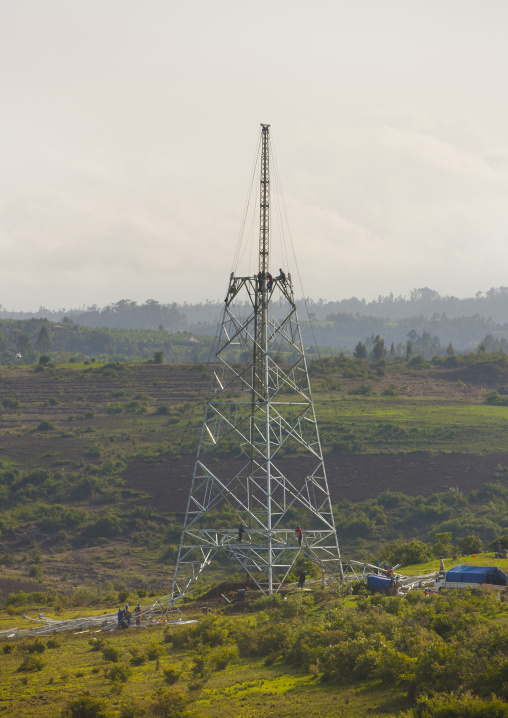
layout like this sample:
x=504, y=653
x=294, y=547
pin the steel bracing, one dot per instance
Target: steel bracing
x=259, y=410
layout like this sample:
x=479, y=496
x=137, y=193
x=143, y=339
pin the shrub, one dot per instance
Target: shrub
x=111, y=653
x=96, y=644
x=494, y=399
x=31, y=663
x=138, y=658
x=35, y=647
x=458, y=706
x=169, y=703
x=222, y=656
x=118, y=673
x=85, y=707
x=172, y=675
x=45, y=426
x=200, y=668
x=390, y=391
x=131, y=709
x=35, y=571
x=53, y=643
x=28, y=599
x=363, y=390
x=154, y=651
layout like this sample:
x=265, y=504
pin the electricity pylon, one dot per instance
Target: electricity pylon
x=259, y=406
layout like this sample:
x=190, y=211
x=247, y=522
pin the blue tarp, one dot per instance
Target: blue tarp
x=378, y=583
x=476, y=574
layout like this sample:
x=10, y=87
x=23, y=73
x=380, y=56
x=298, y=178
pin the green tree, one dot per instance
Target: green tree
x=450, y=350
x=23, y=344
x=379, y=349
x=44, y=342
x=409, y=349
x=443, y=544
x=158, y=357
x=360, y=351
x=470, y=544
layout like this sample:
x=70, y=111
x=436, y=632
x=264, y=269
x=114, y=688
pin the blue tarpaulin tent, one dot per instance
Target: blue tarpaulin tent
x=378, y=584
x=476, y=574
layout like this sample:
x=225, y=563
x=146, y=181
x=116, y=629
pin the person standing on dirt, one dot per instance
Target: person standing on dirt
x=240, y=596
x=299, y=535
x=120, y=616
x=137, y=614
x=127, y=615
x=301, y=579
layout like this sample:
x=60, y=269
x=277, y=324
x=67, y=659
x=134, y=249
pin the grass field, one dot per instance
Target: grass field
x=397, y=425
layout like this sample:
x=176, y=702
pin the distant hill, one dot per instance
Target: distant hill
x=426, y=318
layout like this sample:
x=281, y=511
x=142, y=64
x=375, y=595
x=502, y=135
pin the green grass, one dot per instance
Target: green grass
x=393, y=425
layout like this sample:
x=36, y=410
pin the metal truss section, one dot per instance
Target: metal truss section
x=260, y=423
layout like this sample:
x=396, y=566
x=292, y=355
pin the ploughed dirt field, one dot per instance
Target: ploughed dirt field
x=349, y=477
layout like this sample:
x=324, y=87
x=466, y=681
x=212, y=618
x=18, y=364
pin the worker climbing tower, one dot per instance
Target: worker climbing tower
x=260, y=415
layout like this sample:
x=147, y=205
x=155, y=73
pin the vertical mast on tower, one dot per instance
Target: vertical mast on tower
x=259, y=469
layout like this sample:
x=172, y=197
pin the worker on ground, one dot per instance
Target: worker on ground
x=281, y=277
x=120, y=616
x=240, y=596
x=301, y=579
x=270, y=281
x=299, y=535
x=137, y=614
x=127, y=615
x=241, y=531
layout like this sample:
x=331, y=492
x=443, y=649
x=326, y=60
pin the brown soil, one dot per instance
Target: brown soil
x=10, y=585
x=349, y=477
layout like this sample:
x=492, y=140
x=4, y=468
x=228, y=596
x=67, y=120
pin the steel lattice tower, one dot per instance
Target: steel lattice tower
x=259, y=405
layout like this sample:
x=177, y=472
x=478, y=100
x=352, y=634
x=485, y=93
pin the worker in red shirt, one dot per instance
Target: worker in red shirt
x=299, y=535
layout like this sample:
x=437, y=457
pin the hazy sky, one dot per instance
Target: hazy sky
x=129, y=128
